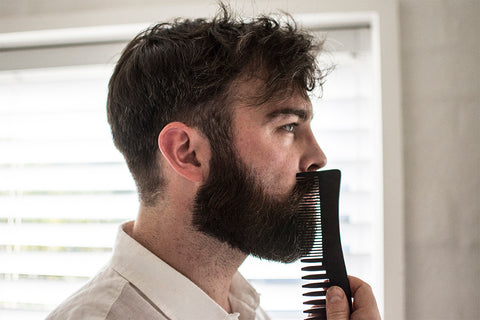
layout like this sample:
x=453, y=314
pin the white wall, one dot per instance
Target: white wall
x=441, y=112
x=441, y=116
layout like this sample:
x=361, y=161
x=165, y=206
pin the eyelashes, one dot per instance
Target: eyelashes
x=290, y=127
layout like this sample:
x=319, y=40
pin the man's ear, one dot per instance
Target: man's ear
x=186, y=150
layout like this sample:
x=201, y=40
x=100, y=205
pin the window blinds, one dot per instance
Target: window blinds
x=64, y=188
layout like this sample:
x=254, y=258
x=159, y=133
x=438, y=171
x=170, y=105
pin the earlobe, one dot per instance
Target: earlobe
x=185, y=149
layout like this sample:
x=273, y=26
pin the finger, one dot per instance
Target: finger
x=364, y=303
x=337, y=305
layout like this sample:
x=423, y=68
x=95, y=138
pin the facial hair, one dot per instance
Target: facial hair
x=233, y=207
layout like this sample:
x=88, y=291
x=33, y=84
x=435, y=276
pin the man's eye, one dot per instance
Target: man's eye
x=289, y=127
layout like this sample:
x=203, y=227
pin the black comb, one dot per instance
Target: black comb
x=324, y=261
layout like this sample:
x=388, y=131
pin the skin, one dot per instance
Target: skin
x=364, y=304
x=274, y=139
x=277, y=142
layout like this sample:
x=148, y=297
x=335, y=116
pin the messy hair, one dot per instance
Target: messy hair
x=184, y=70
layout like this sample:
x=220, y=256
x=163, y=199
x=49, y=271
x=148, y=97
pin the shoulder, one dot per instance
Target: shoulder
x=94, y=300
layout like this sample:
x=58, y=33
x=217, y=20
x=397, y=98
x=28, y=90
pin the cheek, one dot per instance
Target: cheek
x=274, y=163
x=278, y=176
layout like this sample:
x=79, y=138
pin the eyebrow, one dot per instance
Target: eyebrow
x=303, y=114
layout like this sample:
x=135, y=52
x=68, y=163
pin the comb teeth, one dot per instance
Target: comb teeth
x=323, y=265
x=320, y=285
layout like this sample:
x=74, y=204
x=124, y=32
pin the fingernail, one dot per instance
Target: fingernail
x=334, y=294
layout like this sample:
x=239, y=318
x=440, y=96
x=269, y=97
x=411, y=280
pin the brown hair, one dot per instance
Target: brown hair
x=182, y=71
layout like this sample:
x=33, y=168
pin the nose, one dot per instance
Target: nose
x=313, y=157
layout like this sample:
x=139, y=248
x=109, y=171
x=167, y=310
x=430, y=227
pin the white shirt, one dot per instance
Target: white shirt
x=136, y=284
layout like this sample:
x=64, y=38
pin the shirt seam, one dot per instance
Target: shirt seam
x=121, y=287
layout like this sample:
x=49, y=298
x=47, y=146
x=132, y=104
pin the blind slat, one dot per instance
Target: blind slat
x=58, y=235
x=90, y=207
x=59, y=264
x=32, y=152
x=66, y=178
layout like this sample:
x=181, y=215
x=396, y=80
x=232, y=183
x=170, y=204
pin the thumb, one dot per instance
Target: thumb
x=337, y=305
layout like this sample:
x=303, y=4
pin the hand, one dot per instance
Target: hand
x=364, y=303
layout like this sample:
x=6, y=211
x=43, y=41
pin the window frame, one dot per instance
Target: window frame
x=61, y=46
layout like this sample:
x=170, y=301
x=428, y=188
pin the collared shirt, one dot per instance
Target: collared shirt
x=136, y=284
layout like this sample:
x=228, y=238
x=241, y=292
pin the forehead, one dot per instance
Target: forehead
x=248, y=94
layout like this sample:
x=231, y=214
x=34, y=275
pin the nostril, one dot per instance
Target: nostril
x=313, y=163
x=320, y=163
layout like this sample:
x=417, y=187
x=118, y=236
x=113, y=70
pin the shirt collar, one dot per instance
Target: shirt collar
x=243, y=297
x=174, y=294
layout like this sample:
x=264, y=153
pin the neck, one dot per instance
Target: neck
x=207, y=262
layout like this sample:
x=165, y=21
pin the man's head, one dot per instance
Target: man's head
x=191, y=71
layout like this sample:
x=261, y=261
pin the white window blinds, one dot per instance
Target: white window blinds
x=64, y=188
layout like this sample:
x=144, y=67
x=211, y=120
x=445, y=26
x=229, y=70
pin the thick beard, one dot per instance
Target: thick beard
x=233, y=207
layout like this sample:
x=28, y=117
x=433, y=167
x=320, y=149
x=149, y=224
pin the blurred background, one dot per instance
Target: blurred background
x=398, y=115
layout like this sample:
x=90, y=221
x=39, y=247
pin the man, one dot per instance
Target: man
x=213, y=119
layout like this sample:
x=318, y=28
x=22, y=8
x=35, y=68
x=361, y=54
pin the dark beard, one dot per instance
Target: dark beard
x=234, y=208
